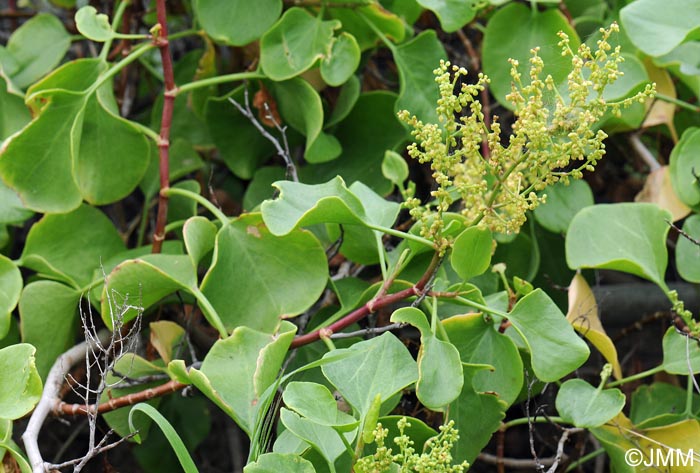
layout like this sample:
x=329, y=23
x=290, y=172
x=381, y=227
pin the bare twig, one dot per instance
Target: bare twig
x=49, y=397
x=367, y=331
x=643, y=152
x=282, y=149
x=101, y=447
x=518, y=463
x=560, y=448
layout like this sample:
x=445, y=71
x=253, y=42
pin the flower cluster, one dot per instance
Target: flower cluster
x=436, y=456
x=554, y=137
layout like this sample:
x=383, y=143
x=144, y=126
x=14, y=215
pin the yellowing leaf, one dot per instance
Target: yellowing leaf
x=583, y=315
x=661, y=112
x=659, y=190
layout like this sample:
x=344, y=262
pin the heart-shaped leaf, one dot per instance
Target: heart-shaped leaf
x=21, y=395
x=471, y=252
x=247, y=257
x=275, y=462
x=317, y=404
x=10, y=288
x=585, y=406
x=295, y=43
x=343, y=60
x=384, y=354
x=680, y=353
x=555, y=348
x=237, y=22
x=453, y=14
x=624, y=237
x=93, y=25
x=563, y=203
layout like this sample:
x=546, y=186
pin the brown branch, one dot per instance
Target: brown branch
x=62, y=408
x=369, y=307
x=160, y=38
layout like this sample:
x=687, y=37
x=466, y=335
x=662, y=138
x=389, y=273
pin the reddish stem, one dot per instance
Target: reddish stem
x=369, y=307
x=160, y=38
x=117, y=402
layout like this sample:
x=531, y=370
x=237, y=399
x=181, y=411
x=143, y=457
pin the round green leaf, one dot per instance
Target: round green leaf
x=555, y=348
x=479, y=343
x=237, y=22
x=563, y=203
x=276, y=462
x=21, y=387
x=512, y=32
x=416, y=60
x=48, y=317
x=71, y=246
x=349, y=93
x=625, y=237
x=295, y=43
x=658, y=28
x=316, y=403
x=384, y=354
x=680, y=353
x=453, y=14
x=688, y=252
x=471, y=252
x=93, y=25
x=684, y=165
x=343, y=60
x=585, y=406
x=10, y=288
x=13, y=113
x=199, y=235
x=36, y=48
x=394, y=167
x=293, y=268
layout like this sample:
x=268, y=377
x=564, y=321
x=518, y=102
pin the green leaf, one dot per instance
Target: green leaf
x=13, y=113
x=440, y=376
x=317, y=404
x=10, y=288
x=300, y=205
x=563, y=203
x=363, y=147
x=93, y=25
x=555, y=348
x=295, y=43
x=48, y=319
x=657, y=29
x=239, y=369
x=512, y=32
x=685, y=158
x=237, y=22
x=453, y=14
x=322, y=438
x=146, y=280
x=687, y=252
x=249, y=254
x=200, y=237
x=416, y=61
x=625, y=237
x=343, y=60
x=36, y=48
x=680, y=353
x=300, y=106
x=39, y=158
x=477, y=415
x=12, y=209
x=18, y=397
x=246, y=149
x=381, y=365
x=657, y=400
x=479, y=343
x=471, y=252
x=354, y=21
x=276, y=462
x=71, y=246
x=349, y=93
x=102, y=141
x=170, y=433
x=394, y=167
x=585, y=406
